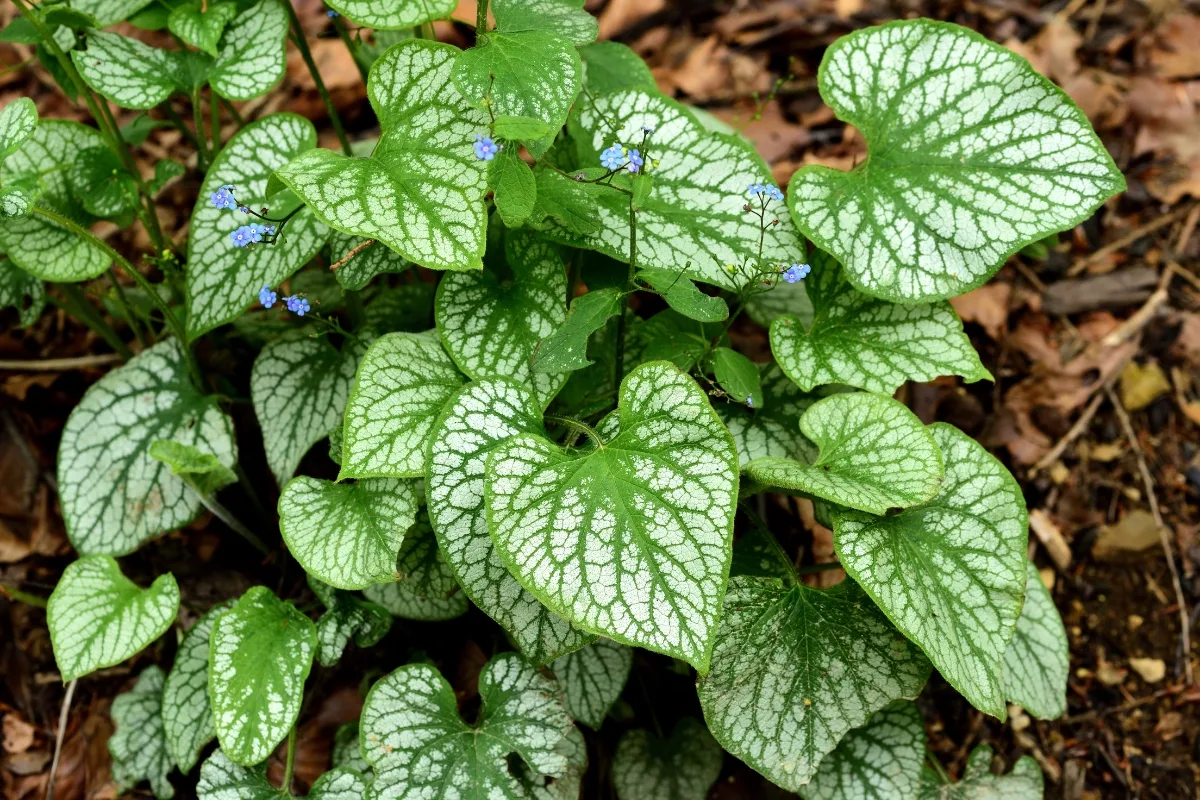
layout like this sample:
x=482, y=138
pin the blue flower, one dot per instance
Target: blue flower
x=613, y=157
x=241, y=237
x=223, y=198
x=485, y=148
x=266, y=297
x=332, y=14
x=297, y=305
x=647, y=129
x=244, y=209
x=749, y=401
x=755, y=189
x=635, y=161
x=796, y=272
x=774, y=193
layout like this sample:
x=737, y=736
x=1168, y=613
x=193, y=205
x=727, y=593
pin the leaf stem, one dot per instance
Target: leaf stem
x=290, y=766
x=226, y=516
x=77, y=305
x=344, y=33
x=577, y=426
x=306, y=54
x=13, y=593
x=201, y=139
x=214, y=109
x=481, y=17
x=630, y=286
x=126, y=308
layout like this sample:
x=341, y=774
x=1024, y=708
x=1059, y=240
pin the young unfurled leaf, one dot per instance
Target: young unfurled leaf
x=260, y=656
x=771, y=430
x=631, y=539
x=22, y=291
x=492, y=324
x=222, y=280
x=17, y=121
x=393, y=14
x=138, y=745
x=695, y=222
x=879, y=761
x=299, y=388
x=101, y=183
x=875, y=345
x=1034, y=674
x=201, y=26
x=36, y=245
x=971, y=156
x=347, y=534
x=568, y=202
x=780, y=703
x=683, y=767
x=374, y=259
x=419, y=746
x=421, y=191
x=253, y=55
x=592, y=679
x=950, y=573
x=425, y=587
x=402, y=384
x=874, y=455
x=128, y=72
x=682, y=295
x=476, y=422
x=346, y=616
x=1024, y=782
x=565, y=350
x=98, y=617
x=738, y=376
x=222, y=779
x=114, y=495
x=564, y=17
x=514, y=185
x=202, y=470
x=186, y=712
x=612, y=66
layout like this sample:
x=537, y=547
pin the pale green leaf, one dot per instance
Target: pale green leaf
x=128, y=72
x=519, y=129
x=683, y=767
x=347, y=534
x=393, y=14
x=201, y=26
x=795, y=668
x=566, y=349
x=971, y=156
x=491, y=323
x=875, y=345
x=783, y=298
x=425, y=587
x=299, y=388
x=114, y=495
x=109, y=12
x=40, y=247
x=564, y=17
x=1025, y=782
x=374, y=259
x=592, y=679
x=222, y=280
x=252, y=58
x=187, y=715
x=612, y=66
x=402, y=384
x=534, y=74
x=879, y=761
x=951, y=573
x=477, y=422
x=22, y=291
x=1034, y=674
x=773, y=429
x=346, y=617
x=421, y=191
x=222, y=779
x=260, y=655
x=874, y=455
x=98, y=617
x=17, y=121
x=514, y=186
x=202, y=470
x=682, y=295
x=631, y=539
x=419, y=746
x=737, y=376
x=138, y=745
x=695, y=221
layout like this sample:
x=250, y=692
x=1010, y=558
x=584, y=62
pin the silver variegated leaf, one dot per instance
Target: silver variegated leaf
x=109, y=12
x=347, y=752
x=17, y=121
x=683, y=767
x=971, y=156
x=252, y=58
x=138, y=745
x=425, y=587
x=187, y=715
x=592, y=679
x=879, y=761
x=201, y=25
x=22, y=291
x=564, y=17
x=374, y=259
x=632, y=539
x=346, y=617
x=128, y=72
x=475, y=423
x=950, y=573
x=393, y=14
x=222, y=779
x=98, y=617
x=772, y=431
x=1025, y=782
x=1036, y=662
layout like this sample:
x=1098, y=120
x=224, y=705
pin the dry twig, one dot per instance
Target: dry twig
x=59, y=364
x=1128, y=239
x=342, y=261
x=63, y=716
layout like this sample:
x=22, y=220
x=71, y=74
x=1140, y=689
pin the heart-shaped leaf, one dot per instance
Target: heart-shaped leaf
x=222, y=280
x=879, y=761
x=695, y=222
x=222, y=779
x=260, y=655
x=299, y=388
x=491, y=323
x=369, y=261
x=253, y=54
x=393, y=14
x=347, y=752
x=875, y=345
x=1036, y=664
x=418, y=744
x=347, y=534
x=41, y=247
x=772, y=430
x=573, y=747
x=17, y=121
x=128, y=72
x=98, y=617
x=592, y=679
x=114, y=495
x=425, y=587
x=874, y=455
x=971, y=156
x=346, y=617
x=683, y=767
x=22, y=291
x=1024, y=782
x=950, y=573
x=138, y=745
x=402, y=384
x=186, y=712
x=109, y=12
x=631, y=539
x=566, y=349
x=564, y=17
x=199, y=26
x=476, y=422
x=421, y=191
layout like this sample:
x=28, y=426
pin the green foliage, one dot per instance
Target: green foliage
x=682, y=767
x=138, y=745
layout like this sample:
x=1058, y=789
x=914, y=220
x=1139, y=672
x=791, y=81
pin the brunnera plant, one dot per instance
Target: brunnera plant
x=521, y=439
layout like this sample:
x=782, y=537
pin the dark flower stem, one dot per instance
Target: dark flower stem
x=302, y=45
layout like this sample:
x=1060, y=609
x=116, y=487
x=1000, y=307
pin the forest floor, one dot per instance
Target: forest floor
x=1095, y=409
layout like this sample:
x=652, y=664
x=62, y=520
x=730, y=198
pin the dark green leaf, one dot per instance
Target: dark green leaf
x=565, y=350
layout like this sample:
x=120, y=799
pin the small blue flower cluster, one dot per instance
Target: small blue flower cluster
x=485, y=148
x=267, y=297
x=617, y=157
x=772, y=192
x=222, y=198
x=251, y=234
x=295, y=303
x=332, y=14
x=796, y=272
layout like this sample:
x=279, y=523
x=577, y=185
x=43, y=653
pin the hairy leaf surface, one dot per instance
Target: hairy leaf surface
x=1036, y=661
x=138, y=745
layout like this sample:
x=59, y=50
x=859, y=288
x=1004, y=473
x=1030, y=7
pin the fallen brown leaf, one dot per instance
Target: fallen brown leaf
x=986, y=306
x=1135, y=533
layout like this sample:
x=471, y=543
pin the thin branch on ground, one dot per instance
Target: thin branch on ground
x=63, y=715
x=341, y=262
x=1128, y=239
x=60, y=364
